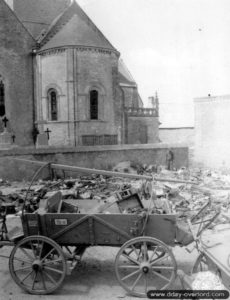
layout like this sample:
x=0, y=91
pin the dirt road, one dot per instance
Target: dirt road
x=94, y=278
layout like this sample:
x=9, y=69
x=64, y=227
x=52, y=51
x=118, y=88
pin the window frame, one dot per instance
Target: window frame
x=51, y=111
x=94, y=107
x=2, y=99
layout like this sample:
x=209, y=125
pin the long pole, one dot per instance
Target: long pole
x=102, y=172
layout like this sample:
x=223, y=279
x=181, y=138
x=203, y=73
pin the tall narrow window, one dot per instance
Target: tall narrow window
x=94, y=105
x=2, y=99
x=53, y=107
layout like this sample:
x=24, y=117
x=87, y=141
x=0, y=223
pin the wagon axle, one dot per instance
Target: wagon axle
x=37, y=265
x=145, y=267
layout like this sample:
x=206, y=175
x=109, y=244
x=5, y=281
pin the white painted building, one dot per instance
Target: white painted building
x=212, y=131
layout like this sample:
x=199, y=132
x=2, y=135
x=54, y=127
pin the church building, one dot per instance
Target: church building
x=60, y=78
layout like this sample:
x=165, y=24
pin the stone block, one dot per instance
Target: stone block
x=5, y=139
x=42, y=140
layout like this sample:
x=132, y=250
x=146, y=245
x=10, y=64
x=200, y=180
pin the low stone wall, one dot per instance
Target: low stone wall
x=98, y=157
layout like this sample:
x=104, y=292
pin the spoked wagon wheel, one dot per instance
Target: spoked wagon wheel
x=143, y=264
x=37, y=265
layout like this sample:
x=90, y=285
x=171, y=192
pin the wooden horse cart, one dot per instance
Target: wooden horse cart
x=54, y=241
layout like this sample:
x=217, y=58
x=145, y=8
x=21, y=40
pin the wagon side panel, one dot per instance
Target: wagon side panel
x=162, y=227
x=101, y=229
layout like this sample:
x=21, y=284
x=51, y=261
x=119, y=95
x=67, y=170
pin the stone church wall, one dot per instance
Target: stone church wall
x=54, y=72
x=131, y=96
x=74, y=73
x=103, y=158
x=16, y=69
x=98, y=71
x=53, y=67
x=95, y=71
x=142, y=130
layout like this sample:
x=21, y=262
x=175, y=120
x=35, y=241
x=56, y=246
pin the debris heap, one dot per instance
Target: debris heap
x=158, y=196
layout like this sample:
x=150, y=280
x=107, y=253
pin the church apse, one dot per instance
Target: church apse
x=67, y=80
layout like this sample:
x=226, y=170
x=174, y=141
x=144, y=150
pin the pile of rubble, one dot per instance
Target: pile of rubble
x=183, y=192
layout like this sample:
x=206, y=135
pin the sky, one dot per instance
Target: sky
x=179, y=48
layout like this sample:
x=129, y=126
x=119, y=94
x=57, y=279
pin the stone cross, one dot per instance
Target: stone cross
x=48, y=133
x=13, y=138
x=5, y=121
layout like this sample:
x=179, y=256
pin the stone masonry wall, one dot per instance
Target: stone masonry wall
x=49, y=66
x=16, y=69
x=131, y=96
x=104, y=158
x=98, y=71
x=79, y=73
x=142, y=130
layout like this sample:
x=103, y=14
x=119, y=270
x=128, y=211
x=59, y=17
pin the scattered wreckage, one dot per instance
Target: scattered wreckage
x=57, y=230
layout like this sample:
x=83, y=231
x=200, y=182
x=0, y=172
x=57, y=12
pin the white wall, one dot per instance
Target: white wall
x=212, y=131
x=183, y=135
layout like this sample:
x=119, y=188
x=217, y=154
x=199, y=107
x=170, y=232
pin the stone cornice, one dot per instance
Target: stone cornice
x=128, y=85
x=79, y=48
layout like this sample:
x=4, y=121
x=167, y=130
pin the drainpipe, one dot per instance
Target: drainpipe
x=34, y=70
x=74, y=96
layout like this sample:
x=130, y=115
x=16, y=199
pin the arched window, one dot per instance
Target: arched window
x=2, y=99
x=53, y=106
x=94, y=105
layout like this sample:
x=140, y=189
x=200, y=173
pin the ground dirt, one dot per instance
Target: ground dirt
x=93, y=278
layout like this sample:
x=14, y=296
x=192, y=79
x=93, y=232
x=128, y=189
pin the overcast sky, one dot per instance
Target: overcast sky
x=179, y=48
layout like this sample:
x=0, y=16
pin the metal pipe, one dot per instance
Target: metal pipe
x=102, y=172
x=74, y=97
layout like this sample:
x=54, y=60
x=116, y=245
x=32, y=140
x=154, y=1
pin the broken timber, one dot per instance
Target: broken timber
x=101, y=172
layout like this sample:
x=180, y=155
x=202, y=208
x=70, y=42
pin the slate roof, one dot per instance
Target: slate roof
x=125, y=76
x=74, y=28
x=37, y=15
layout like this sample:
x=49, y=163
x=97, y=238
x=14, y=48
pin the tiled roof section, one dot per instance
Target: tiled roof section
x=37, y=15
x=125, y=76
x=74, y=28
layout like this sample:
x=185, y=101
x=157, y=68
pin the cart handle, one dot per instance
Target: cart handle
x=209, y=222
x=205, y=226
x=33, y=178
x=202, y=210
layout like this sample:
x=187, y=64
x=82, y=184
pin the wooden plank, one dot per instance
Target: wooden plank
x=162, y=227
x=216, y=245
x=108, y=229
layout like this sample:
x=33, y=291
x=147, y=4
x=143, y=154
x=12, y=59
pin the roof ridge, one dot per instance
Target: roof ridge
x=55, y=27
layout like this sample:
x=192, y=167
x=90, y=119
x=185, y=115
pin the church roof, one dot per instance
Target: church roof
x=74, y=28
x=37, y=15
x=125, y=76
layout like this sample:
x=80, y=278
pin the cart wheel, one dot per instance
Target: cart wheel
x=203, y=263
x=143, y=264
x=37, y=265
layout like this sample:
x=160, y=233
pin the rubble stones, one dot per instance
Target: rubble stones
x=180, y=198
